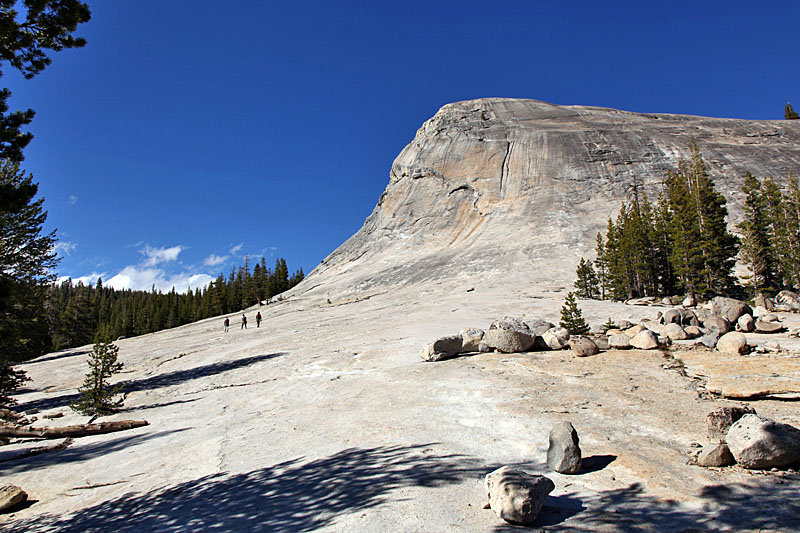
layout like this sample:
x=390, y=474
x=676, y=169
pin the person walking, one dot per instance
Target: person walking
x=258, y=319
x=227, y=323
x=244, y=322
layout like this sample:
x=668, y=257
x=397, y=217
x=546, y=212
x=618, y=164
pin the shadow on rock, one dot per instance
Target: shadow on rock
x=593, y=463
x=168, y=379
x=290, y=496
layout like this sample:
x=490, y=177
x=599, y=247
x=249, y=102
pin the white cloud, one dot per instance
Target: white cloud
x=72, y=200
x=143, y=278
x=214, y=260
x=64, y=247
x=235, y=250
x=86, y=280
x=161, y=255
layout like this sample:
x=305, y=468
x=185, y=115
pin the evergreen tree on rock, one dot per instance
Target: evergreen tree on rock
x=789, y=113
x=571, y=316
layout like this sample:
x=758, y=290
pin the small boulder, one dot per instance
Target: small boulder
x=672, y=316
x=517, y=496
x=764, y=301
x=709, y=340
x=583, y=346
x=715, y=455
x=760, y=443
x=11, y=497
x=602, y=342
x=624, y=324
x=509, y=335
x=556, y=338
x=717, y=323
x=471, y=339
x=645, y=340
x=788, y=299
x=770, y=317
x=689, y=301
x=729, y=308
x=733, y=343
x=746, y=323
x=619, y=341
x=720, y=420
x=634, y=330
x=675, y=332
x=443, y=348
x=768, y=327
x=693, y=331
x=564, y=452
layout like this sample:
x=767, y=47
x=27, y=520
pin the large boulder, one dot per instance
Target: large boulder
x=556, y=338
x=760, y=443
x=443, y=348
x=683, y=317
x=764, y=301
x=634, y=330
x=675, y=332
x=471, y=339
x=11, y=497
x=517, y=496
x=762, y=326
x=619, y=341
x=564, y=451
x=746, y=323
x=717, y=323
x=645, y=340
x=538, y=326
x=583, y=346
x=733, y=343
x=720, y=420
x=788, y=299
x=509, y=335
x=730, y=308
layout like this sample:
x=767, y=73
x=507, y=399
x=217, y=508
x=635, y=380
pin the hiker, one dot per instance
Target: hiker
x=244, y=322
x=227, y=323
x=258, y=319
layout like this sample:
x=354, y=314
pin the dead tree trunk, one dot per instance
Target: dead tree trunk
x=83, y=430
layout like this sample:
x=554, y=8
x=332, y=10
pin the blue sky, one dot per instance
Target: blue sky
x=186, y=135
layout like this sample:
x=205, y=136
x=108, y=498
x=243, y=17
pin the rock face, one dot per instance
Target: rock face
x=759, y=443
x=493, y=185
x=564, y=452
x=516, y=496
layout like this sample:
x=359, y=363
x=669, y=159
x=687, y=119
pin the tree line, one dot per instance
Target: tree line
x=76, y=313
x=681, y=244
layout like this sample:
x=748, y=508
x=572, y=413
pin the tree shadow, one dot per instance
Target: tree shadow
x=772, y=504
x=167, y=379
x=290, y=496
x=9, y=464
x=56, y=356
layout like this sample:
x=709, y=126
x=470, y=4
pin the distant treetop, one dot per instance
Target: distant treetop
x=789, y=113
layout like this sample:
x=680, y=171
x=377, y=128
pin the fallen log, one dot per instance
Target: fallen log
x=83, y=430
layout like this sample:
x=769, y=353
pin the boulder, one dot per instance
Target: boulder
x=709, y=340
x=602, y=342
x=733, y=343
x=683, y=317
x=718, y=324
x=564, y=452
x=471, y=339
x=675, y=332
x=556, y=338
x=760, y=443
x=583, y=346
x=634, y=330
x=624, y=324
x=764, y=301
x=693, y=331
x=768, y=327
x=689, y=301
x=770, y=317
x=645, y=340
x=517, y=496
x=509, y=335
x=746, y=323
x=619, y=341
x=539, y=326
x=715, y=455
x=11, y=497
x=443, y=348
x=729, y=308
x=788, y=299
x=720, y=420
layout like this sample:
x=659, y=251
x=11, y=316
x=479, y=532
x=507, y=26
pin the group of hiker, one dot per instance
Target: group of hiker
x=244, y=321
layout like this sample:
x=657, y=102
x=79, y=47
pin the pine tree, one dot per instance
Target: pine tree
x=587, y=280
x=601, y=264
x=97, y=395
x=756, y=248
x=789, y=113
x=571, y=317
